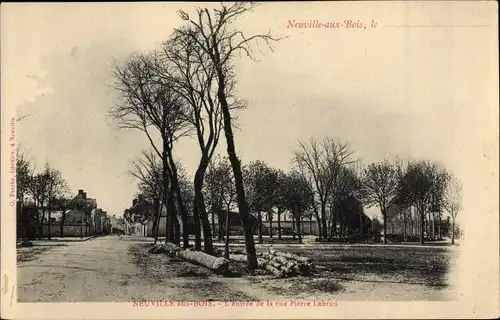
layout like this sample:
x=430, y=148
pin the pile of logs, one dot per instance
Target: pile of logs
x=216, y=264
x=281, y=264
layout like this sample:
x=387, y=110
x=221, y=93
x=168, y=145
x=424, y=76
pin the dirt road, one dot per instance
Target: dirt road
x=104, y=270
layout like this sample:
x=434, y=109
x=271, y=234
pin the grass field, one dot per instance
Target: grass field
x=344, y=272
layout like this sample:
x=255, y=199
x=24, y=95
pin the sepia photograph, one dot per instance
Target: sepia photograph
x=331, y=159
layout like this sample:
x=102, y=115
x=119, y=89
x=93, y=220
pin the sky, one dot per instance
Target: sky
x=412, y=88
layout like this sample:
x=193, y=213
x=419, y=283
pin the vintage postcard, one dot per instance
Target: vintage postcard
x=250, y=160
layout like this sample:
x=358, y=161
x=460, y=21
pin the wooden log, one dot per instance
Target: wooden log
x=275, y=264
x=290, y=256
x=243, y=258
x=267, y=256
x=270, y=265
x=238, y=257
x=217, y=264
x=172, y=248
x=167, y=248
x=278, y=273
x=284, y=261
x=261, y=263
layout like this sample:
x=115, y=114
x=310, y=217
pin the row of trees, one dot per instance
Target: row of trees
x=423, y=186
x=39, y=194
x=395, y=188
x=187, y=87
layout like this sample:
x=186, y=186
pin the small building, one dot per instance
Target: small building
x=117, y=225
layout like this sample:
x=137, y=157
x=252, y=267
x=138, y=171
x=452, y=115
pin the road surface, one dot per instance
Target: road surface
x=103, y=270
x=79, y=272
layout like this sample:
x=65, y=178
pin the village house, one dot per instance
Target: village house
x=136, y=217
x=77, y=219
x=117, y=225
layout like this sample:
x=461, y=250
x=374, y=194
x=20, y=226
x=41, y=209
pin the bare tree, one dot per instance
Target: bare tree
x=62, y=204
x=57, y=189
x=24, y=170
x=298, y=198
x=281, y=197
x=148, y=101
x=347, y=186
x=380, y=186
x=38, y=186
x=220, y=190
x=24, y=173
x=195, y=80
x=321, y=163
x=423, y=186
x=260, y=181
x=453, y=201
x=212, y=32
x=147, y=169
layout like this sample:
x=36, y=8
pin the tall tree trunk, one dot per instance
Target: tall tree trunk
x=178, y=196
x=384, y=214
x=177, y=230
x=318, y=220
x=405, y=236
x=311, y=224
x=41, y=224
x=440, y=235
x=410, y=222
x=167, y=221
x=61, y=226
x=236, y=165
x=226, y=242
x=171, y=213
x=323, y=220
x=293, y=226
x=331, y=229
x=452, y=230
x=422, y=225
x=270, y=216
x=167, y=187
x=200, y=205
x=428, y=230
x=279, y=223
x=213, y=218
x=160, y=210
x=49, y=214
x=299, y=233
x=334, y=224
x=221, y=218
x=156, y=222
x=433, y=225
x=260, y=226
x=361, y=222
x=196, y=224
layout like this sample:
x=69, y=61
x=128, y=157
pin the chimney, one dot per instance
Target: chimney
x=80, y=191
